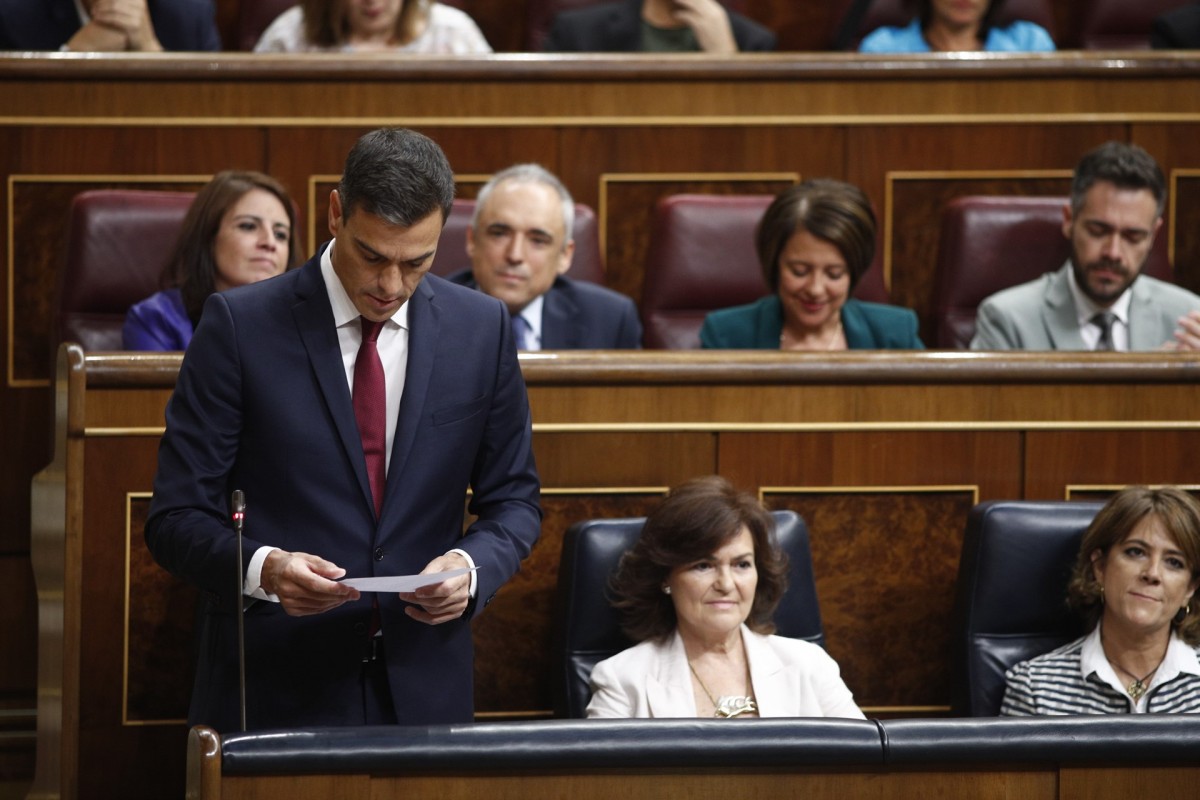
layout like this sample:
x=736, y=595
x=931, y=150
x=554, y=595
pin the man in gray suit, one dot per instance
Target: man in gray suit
x=1099, y=300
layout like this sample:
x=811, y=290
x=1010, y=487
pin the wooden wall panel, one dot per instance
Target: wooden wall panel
x=885, y=603
x=18, y=627
x=1057, y=460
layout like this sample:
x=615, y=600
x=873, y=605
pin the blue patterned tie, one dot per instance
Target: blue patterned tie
x=520, y=329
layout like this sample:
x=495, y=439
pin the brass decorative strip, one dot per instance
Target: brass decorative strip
x=784, y=427
x=683, y=121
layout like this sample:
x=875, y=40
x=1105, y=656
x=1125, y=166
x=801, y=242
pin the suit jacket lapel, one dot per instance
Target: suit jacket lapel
x=1144, y=332
x=424, y=322
x=560, y=321
x=773, y=692
x=315, y=326
x=669, y=691
x=1059, y=315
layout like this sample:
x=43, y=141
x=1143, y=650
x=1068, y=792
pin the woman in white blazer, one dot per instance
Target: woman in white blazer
x=699, y=590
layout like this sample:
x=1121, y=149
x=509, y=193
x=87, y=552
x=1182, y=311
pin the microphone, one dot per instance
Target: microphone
x=239, y=521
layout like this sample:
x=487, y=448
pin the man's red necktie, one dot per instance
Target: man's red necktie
x=370, y=409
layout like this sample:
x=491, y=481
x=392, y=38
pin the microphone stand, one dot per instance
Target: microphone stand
x=239, y=520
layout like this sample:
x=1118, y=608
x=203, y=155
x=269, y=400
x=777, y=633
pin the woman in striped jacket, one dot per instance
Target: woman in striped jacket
x=1138, y=567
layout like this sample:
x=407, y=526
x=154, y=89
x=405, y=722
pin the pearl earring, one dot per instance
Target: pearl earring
x=666, y=589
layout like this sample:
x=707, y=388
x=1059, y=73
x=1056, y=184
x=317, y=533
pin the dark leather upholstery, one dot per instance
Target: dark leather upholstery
x=1122, y=24
x=991, y=243
x=118, y=242
x=557, y=744
x=668, y=744
x=701, y=257
x=1010, y=601
x=898, y=13
x=1116, y=739
x=587, y=264
x=540, y=14
x=589, y=629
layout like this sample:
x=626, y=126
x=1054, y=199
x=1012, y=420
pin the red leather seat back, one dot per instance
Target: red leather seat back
x=991, y=243
x=701, y=258
x=587, y=265
x=253, y=17
x=117, y=245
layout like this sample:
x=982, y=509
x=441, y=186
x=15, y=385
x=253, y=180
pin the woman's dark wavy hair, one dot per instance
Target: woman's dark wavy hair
x=834, y=211
x=192, y=266
x=695, y=520
x=925, y=13
x=327, y=24
x=1179, y=513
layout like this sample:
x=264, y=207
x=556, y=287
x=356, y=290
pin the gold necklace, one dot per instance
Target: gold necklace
x=727, y=706
x=785, y=340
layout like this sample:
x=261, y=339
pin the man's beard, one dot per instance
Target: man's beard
x=1103, y=294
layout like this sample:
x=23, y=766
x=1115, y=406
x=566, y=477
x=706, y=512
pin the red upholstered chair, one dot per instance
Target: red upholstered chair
x=253, y=17
x=587, y=265
x=898, y=13
x=540, y=14
x=702, y=257
x=1121, y=24
x=118, y=242
x=992, y=243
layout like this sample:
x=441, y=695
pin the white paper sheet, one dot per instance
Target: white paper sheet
x=403, y=583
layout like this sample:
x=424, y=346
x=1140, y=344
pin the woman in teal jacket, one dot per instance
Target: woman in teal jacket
x=814, y=243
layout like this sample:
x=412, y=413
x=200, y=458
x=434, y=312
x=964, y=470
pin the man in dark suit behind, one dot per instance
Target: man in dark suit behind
x=1178, y=29
x=631, y=26
x=268, y=402
x=520, y=248
x=108, y=25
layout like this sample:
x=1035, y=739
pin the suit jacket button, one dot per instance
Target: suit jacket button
x=379, y=554
x=360, y=628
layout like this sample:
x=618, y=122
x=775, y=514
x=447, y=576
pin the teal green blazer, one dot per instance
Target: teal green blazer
x=868, y=326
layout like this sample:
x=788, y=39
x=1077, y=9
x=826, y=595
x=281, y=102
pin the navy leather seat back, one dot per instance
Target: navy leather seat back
x=589, y=628
x=1011, y=593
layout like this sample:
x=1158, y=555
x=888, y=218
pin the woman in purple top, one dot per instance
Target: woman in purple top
x=241, y=228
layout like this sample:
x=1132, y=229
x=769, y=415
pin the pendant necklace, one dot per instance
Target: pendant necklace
x=726, y=706
x=1138, y=687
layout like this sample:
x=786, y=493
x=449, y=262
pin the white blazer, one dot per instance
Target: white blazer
x=791, y=678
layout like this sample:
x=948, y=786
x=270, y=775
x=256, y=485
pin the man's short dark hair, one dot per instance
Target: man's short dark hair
x=398, y=175
x=1126, y=166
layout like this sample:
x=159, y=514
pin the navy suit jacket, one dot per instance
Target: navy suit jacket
x=262, y=404
x=616, y=28
x=577, y=315
x=183, y=25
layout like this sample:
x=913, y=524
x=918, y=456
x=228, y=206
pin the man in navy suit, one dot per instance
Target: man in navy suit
x=520, y=248
x=108, y=25
x=267, y=402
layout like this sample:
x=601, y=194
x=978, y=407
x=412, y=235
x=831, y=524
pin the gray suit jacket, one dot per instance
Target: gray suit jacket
x=1040, y=315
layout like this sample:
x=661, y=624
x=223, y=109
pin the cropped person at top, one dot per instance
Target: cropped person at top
x=1133, y=582
x=402, y=26
x=112, y=26
x=699, y=589
x=241, y=228
x=520, y=244
x=815, y=242
x=656, y=26
x=1099, y=299
x=958, y=25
